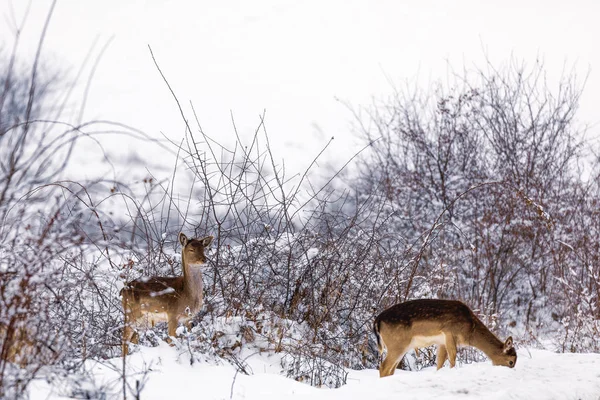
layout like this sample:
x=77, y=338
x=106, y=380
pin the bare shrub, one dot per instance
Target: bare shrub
x=53, y=246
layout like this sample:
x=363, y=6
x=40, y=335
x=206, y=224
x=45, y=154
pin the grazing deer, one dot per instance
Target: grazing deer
x=447, y=323
x=147, y=301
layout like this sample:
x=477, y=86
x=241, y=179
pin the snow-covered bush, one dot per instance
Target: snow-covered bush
x=499, y=154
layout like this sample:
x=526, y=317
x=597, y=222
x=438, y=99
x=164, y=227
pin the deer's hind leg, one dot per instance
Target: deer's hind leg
x=391, y=361
x=397, y=345
x=127, y=338
x=129, y=333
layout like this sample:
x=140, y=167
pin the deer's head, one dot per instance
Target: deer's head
x=508, y=356
x=192, y=252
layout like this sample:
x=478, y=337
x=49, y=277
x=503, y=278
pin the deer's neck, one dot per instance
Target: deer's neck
x=192, y=281
x=486, y=341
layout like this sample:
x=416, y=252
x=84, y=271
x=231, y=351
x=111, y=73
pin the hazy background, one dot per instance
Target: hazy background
x=302, y=62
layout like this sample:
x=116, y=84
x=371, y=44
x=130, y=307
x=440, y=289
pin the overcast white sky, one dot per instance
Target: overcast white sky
x=295, y=58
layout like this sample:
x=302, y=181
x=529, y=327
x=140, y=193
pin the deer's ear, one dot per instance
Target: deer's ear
x=207, y=241
x=508, y=344
x=183, y=239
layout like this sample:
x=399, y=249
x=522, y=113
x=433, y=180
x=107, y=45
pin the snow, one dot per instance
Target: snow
x=539, y=374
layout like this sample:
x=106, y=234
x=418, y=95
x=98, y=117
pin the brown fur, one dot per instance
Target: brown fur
x=447, y=323
x=147, y=301
x=17, y=347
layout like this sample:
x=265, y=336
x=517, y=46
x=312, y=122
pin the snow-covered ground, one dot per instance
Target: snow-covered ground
x=539, y=374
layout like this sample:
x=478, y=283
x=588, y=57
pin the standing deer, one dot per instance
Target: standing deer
x=147, y=301
x=447, y=323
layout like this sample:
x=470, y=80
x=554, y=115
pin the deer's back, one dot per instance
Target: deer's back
x=430, y=312
x=154, y=285
x=155, y=294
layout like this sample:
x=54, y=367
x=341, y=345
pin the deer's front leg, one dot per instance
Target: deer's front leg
x=172, y=325
x=451, y=348
x=441, y=356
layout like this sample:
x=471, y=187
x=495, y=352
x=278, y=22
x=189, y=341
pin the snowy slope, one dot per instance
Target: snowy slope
x=538, y=374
